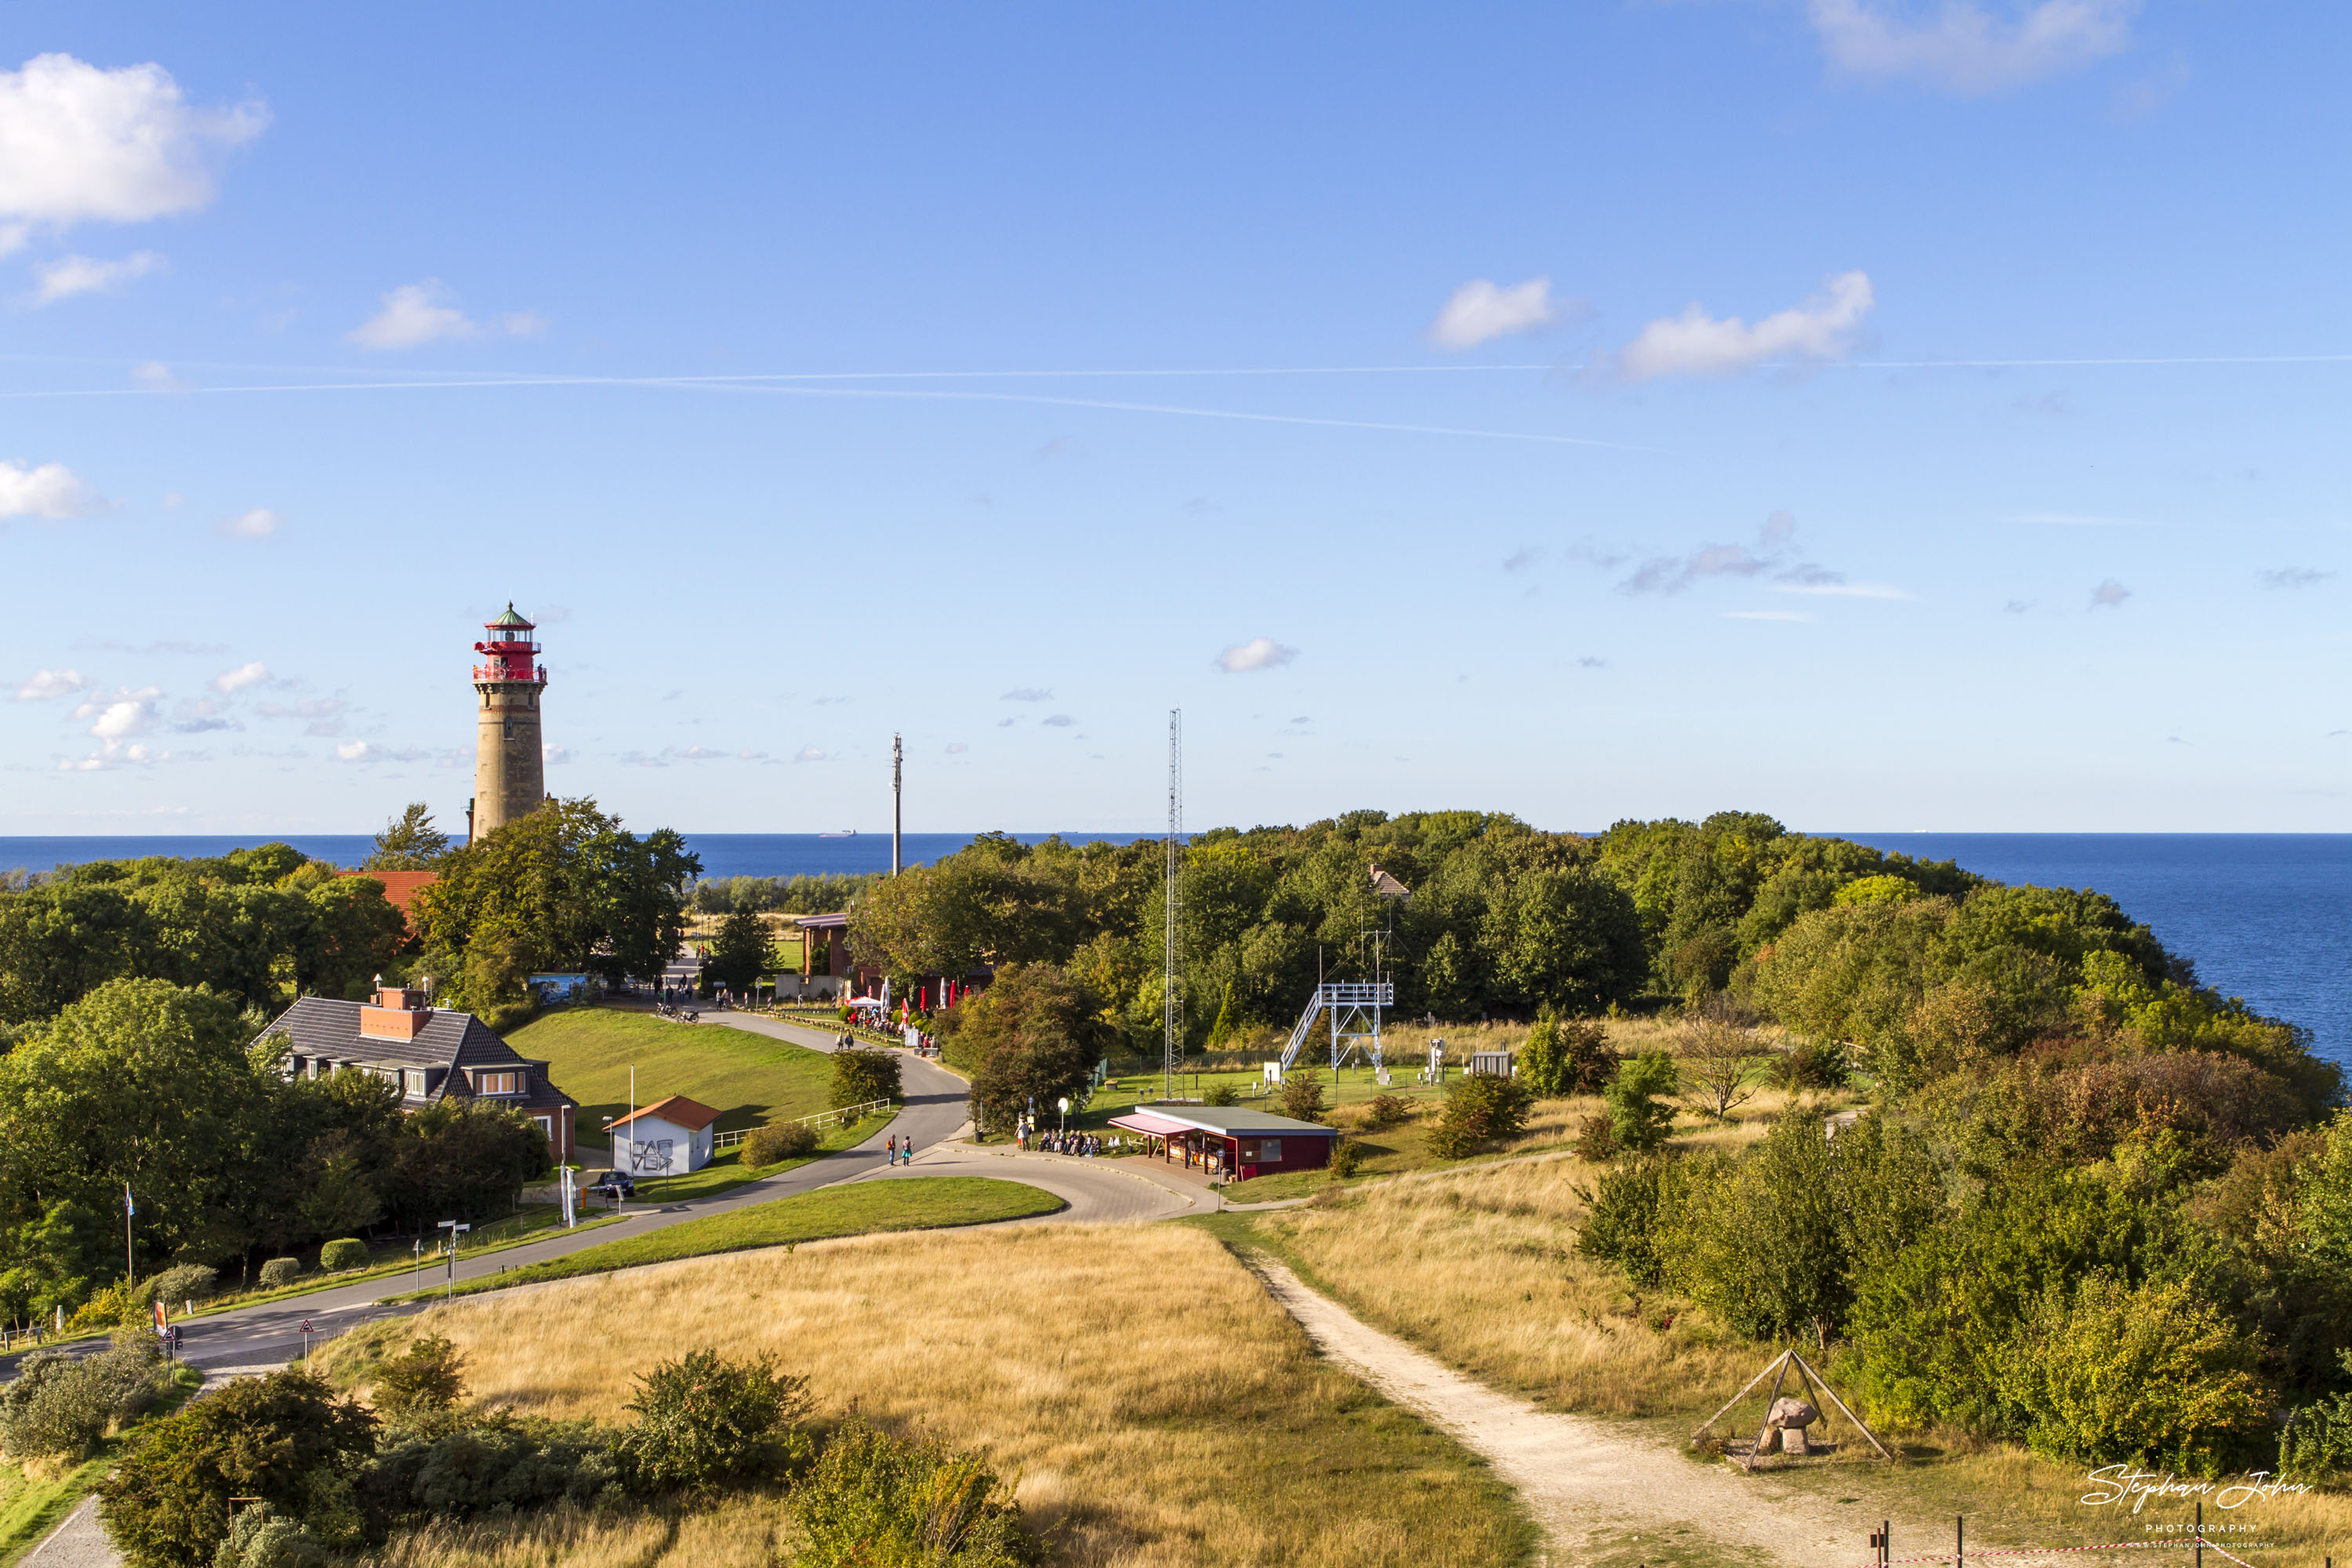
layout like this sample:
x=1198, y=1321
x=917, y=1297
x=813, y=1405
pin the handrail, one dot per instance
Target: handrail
x=849, y=1115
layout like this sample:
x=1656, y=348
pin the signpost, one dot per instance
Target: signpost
x=455, y=1230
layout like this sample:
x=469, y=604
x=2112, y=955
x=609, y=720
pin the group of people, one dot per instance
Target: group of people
x=901, y=1150
x=1085, y=1145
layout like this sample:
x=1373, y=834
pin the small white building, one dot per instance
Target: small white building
x=668, y=1137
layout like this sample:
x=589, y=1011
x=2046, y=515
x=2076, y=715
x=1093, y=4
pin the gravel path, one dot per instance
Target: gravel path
x=1583, y=1477
x=79, y=1542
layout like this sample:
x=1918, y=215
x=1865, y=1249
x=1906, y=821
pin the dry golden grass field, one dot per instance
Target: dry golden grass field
x=1477, y=1266
x=1161, y=1410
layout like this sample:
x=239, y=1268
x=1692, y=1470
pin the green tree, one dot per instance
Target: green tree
x=1033, y=1036
x=409, y=842
x=739, y=956
x=861, y=1076
x=1639, y=1116
x=1479, y=1109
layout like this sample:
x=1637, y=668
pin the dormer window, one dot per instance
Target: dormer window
x=412, y=1082
x=497, y=1083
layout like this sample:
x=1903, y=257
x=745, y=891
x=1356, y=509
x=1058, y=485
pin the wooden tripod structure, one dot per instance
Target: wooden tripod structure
x=1815, y=1383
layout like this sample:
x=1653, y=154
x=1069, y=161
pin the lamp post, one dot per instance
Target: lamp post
x=455, y=1230
x=1064, y=1103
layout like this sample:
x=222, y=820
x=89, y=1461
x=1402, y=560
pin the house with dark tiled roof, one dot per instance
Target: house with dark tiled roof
x=434, y=1054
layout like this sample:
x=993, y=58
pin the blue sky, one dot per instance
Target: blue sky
x=1883, y=416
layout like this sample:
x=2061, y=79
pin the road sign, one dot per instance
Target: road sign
x=306, y=1325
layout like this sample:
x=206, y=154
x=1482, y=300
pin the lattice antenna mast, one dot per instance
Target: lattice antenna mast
x=1171, y=997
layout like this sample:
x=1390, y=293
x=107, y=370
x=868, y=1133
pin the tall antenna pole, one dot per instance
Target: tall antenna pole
x=897, y=789
x=1171, y=1002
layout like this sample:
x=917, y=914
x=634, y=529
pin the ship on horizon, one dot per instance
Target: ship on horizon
x=844, y=833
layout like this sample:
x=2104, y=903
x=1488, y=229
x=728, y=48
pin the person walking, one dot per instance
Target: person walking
x=894, y=1148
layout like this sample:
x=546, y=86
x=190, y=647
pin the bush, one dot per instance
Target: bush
x=861, y=1074
x=773, y=1145
x=875, y=1498
x=1479, y=1109
x=1383, y=1111
x=1566, y=1056
x=1595, y=1140
x=280, y=1272
x=338, y=1256
x=495, y=1464
x=257, y=1541
x=1638, y=1117
x=427, y=1378
x=1347, y=1154
x=703, y=1422
x=1623, y=1216
x=53, y=1405
x=181, y=1282
x=1811, y=1065
x=1302, y=1094
x=2317, y=1442
x=1222, y=1093
x=285, y=1439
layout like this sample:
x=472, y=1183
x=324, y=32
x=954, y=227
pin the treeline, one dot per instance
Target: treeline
x=821, y=894
x=261, y=925
x=163, y=1091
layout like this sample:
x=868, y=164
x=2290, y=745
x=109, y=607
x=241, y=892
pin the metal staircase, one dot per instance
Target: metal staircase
x=1348, y=1004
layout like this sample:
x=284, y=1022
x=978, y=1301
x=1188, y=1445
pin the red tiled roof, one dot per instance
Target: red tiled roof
x=402, y=888
x=678, y=1110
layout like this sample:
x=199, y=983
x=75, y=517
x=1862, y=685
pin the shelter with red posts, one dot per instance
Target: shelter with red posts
x=1231, y=1140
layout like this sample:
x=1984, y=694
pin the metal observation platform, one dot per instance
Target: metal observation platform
x=1353, y=1009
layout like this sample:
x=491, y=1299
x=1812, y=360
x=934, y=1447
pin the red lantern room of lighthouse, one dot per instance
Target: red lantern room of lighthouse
x=509, y=768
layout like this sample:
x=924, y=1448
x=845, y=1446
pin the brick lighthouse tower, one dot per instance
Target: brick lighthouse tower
x=510, y=770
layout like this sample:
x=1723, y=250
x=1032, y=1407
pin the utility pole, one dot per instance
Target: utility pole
x=1171, y=1001
x=129, y=1269
x=897, y=788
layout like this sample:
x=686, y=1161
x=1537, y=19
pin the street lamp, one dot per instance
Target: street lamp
x=1065, y=1115
x=455, y=1230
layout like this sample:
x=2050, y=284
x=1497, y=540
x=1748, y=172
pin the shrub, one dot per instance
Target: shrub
x=285, y=1439
x=1222, y=1093
x=1302, y=1094
x=1478, y=1109
x=53, y=1405
x=875, y=1498
x=1347, y=1154
x=1623, y=1216
x=130, y=1375
x=495, y=1464
x=2152, y=1374
x=1565, y=1056
x=257, y=1541
x=427, y=1377
x=1762, y=1245
x=1814, y=1063
x=2317, y=1441
x=1595, y=1141
x=773, y=1145
x=703, y=1421
x=1638, y=1117
x=280, y=1272
x=338, y=1256
x=1383, y=1111
x=181, y=1282
x=104, y=1310
x=861, y=1074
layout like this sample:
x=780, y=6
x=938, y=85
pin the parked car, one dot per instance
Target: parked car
x=611, y=1184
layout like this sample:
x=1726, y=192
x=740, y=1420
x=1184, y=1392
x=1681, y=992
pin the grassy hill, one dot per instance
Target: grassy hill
x=749, y=1078
x=1160, y=1410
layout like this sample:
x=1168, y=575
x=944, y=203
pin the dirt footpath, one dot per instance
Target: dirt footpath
x=1586, y=1480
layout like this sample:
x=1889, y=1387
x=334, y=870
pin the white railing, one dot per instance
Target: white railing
x=847, y=1115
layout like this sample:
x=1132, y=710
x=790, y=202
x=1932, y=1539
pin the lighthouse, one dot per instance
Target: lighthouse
x=509, y=770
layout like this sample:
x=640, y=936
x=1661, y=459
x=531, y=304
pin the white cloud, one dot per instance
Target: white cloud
x=1057, y=720
x=52, y=490
x=2295, y=577
x=1258, y=653
x=356, y=751
x=71, y=275
x=555, y=756
x=47, y=684
x=808, y=754
x=1480, y=311
x=119, y=719
x=258, y=524
x=1028, y=694
x=78, y=145
x=156, y=376
x=699, y=754
x=422, y=313
x=957, y=748
x=1965, y=48
x=243, y=676
x=1696, y=343
x=2109, y=595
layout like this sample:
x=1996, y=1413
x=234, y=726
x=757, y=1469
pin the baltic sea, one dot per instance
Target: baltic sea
x=2267, y=917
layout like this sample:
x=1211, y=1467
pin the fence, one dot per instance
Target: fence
x=847, y=1115
x=2194, y=1541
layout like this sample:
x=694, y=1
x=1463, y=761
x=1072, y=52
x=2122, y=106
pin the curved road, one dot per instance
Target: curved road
x=933, y=1114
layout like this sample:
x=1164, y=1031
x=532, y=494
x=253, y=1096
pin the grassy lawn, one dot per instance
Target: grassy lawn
x=31, y=1508
x=727, y=1168
x=749, y=1079
x=926, y=1202
x=1159, y=1410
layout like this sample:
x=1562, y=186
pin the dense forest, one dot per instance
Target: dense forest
x=2088, y=1203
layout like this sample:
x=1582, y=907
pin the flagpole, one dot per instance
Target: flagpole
x=130, y=1270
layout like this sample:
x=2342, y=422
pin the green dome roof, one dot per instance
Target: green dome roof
x=509, y=618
